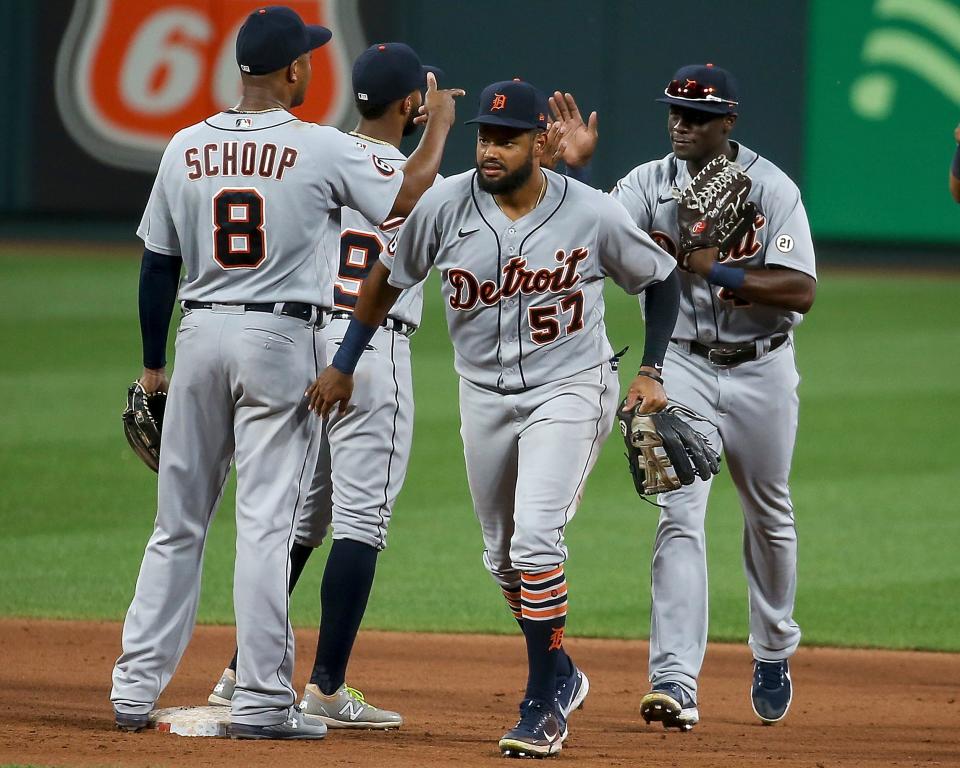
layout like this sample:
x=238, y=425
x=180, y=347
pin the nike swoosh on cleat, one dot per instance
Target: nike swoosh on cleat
x=464, y=233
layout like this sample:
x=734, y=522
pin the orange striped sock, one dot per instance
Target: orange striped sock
x=543, y=596
x=512, y=597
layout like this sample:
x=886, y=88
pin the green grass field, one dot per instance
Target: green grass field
x=874, y=482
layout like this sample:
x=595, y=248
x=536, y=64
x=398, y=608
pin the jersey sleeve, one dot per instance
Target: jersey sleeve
x=358, y=177
x=156, y=226
x=790, y=243
x=412, y=253
x=628, y=255
x=629, y=192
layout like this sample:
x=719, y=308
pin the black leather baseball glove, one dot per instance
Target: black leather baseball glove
x=664, y=451
x=143, y=423
x=713, y=210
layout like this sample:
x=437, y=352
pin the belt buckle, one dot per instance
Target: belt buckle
x=230, y=309
x=721, y=357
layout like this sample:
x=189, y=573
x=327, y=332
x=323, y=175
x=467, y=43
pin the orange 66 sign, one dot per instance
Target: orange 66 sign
x=131, y=74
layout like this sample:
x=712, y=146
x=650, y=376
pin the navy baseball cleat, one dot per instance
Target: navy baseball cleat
x=130, y=722
x=539, y=732
x=772, y=690
x=670, y=704
x=572, y=689
x=294, y=727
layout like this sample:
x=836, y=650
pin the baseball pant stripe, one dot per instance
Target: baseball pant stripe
x=393, y=441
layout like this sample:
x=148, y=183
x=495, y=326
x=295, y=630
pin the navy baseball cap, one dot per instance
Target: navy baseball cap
x=703, y=87
x=513, y=104
x=386, y=72
x=274, y=36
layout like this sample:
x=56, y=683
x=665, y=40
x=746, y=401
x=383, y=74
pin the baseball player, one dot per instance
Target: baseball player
x=364, y=452
x=523, y=253
x=248, y=201
x=731, y=359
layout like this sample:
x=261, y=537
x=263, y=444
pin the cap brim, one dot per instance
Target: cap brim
x=715, y=107
x=317, y=35
x=506, y=122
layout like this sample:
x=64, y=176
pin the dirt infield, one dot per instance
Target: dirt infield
x=458, y=693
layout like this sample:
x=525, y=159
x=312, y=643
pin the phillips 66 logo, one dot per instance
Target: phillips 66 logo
x=131, y=74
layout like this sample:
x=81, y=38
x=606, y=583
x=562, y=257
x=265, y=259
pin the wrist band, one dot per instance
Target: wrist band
x=355, y=340
x=649, y=375
x=726, y=277
x=955, y=165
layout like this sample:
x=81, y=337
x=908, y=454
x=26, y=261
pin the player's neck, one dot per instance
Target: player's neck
x=378, y=130
x=259, y=99
x=521, y=201
x=695, y=166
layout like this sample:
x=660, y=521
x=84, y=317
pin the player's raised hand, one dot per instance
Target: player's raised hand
x=580, y=138
x=332, y=388
x=553, y=147
x=438, y=103
x=648, y=393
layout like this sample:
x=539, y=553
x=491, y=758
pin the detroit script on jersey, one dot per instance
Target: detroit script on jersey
x=524, y=298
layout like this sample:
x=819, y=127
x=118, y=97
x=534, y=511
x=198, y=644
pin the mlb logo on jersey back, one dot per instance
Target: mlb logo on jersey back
x=131, y=74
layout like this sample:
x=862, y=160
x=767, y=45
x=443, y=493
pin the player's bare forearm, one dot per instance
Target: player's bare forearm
x=774, y=286
x=438, y=111
x=779, y=287
x=377, y=297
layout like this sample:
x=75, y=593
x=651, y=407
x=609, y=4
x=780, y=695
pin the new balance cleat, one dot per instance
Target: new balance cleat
x=772, y=690
x=346, y=708
x=670, y=704
x=222, y=693
x=540, y=732
x=294, y=727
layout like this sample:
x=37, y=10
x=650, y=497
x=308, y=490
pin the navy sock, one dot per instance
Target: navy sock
x=347, y=581
x=299, y=554
x=564, y=662
x=543, y=601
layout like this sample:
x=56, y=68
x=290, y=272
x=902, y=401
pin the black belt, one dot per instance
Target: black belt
x=288, y=308
x=729, y=356
x=391, y=323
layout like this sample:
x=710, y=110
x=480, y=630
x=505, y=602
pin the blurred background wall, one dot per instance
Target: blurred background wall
x=856, y=100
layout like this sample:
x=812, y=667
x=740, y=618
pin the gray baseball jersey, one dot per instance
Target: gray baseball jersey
x=230, y=198
x=362, y=242
x=752, y=411
x=524, y=299
x=538, y=389
x=365, y=451
x=780, y=237
x=251, y=203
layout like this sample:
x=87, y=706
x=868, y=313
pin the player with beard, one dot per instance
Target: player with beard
x=364, y=453
x=523, y=252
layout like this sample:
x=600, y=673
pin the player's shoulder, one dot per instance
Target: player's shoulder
x=449, y=191
x=653, y=173
x=582, y=197
x=765, y=173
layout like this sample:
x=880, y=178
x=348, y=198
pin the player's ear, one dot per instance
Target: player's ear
x=539, y=142
x=729, y=121
x=293, y=71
